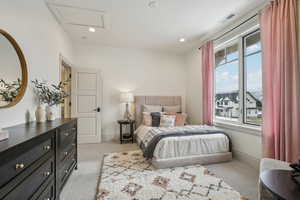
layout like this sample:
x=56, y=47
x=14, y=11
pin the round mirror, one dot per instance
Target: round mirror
x=13, y=73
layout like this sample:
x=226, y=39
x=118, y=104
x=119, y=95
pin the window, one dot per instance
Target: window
x=227, y=83
x=238, y=80
x=253, y=78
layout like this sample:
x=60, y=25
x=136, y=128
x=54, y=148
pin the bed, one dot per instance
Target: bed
x=179, y=146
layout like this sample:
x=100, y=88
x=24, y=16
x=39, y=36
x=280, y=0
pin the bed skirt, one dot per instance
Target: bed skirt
x=202, y=159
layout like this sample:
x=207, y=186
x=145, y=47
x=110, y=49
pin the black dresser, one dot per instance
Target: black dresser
x=37, y=160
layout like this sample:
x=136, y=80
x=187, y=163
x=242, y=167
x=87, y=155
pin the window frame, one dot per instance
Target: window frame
x=244, y=120
x=240, y=39
x=227, y=44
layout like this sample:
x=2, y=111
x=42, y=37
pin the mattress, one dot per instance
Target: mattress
x=185, y=146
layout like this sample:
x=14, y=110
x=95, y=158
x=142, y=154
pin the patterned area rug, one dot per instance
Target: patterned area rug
x=128, y=176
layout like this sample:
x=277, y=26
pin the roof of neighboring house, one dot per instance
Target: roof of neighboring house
x=258, y=102
x=234, y=96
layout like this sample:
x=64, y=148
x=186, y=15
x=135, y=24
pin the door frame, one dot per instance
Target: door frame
x=99, y=102
x=64, y=61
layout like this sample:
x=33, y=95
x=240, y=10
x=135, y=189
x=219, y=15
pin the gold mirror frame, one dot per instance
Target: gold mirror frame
x=23, y=68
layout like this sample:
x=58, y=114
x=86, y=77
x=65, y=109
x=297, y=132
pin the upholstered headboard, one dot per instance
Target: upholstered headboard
x=154, y=100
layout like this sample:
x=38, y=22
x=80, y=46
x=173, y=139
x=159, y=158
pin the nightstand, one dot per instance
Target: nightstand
x=129, y=136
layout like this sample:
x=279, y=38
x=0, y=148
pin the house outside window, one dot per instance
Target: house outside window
x=238, y=80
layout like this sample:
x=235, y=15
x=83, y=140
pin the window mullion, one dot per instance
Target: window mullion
x=241, y=80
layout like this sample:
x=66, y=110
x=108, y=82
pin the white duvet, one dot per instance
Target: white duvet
x=174, y=147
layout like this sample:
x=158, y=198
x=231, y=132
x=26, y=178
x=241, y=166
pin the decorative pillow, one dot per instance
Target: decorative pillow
x=147, y=119
x=155, y=119
x=167, y=120
x=152, y=108
x=180, y=119
x=174, y=109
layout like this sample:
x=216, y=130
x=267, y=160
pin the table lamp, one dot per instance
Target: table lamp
x=127, y=97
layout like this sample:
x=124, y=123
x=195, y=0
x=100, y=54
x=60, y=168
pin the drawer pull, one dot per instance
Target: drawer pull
x=66, y=153
x=73, y=144
x=46, y=174
x=67, y=134
x=47, y=147
x=73, y=129
x=20, y=166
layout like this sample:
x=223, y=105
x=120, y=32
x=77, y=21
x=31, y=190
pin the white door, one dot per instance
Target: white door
x=86, y=104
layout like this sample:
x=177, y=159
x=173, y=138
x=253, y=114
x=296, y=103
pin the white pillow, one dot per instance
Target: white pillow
x=167, y=121
x=147, y=119
x=174, y=109
x=152, y=108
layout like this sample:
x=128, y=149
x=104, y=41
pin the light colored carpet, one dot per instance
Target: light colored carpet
x=82, y=184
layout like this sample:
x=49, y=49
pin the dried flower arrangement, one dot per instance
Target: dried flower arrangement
x=9, y=91
x=50, y=94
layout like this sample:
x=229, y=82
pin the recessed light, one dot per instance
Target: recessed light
x=182, y=40
x=152, y=4
x=92, y=29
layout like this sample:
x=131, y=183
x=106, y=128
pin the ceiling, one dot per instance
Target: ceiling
x=132, y=23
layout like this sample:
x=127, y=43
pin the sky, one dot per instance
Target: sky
x=227, y=76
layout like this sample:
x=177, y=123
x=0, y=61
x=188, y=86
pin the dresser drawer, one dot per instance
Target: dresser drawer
x=17, y=165
x=48, y=193
x=66, y=134
x=26, y=189
x=67, y=167
x=66, y=151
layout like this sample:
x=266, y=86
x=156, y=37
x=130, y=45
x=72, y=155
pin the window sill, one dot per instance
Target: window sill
x=248, y=129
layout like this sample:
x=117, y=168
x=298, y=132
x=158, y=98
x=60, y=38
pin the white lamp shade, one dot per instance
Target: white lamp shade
x=126, y=97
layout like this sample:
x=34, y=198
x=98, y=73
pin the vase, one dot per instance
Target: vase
x=50, y=114
x=40, y=114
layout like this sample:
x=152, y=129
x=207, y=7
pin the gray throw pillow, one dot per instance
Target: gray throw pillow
x=155, y=119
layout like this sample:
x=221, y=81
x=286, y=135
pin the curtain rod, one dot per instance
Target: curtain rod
x=232, y=29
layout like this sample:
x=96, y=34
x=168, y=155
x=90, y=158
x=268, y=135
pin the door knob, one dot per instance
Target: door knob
x=97, y=109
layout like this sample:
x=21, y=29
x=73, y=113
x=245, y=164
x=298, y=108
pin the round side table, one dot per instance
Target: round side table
x=280, y=184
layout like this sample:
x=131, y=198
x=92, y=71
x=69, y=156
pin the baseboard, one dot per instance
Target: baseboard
x=108, y=138
x=246, y=158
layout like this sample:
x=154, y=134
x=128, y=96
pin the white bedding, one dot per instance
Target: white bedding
x=174, y=147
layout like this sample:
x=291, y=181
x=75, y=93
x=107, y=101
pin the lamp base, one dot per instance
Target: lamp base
x=127, y=115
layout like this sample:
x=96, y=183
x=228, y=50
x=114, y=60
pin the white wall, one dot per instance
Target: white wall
x=246, y=146
x=144, y=72
x=194, y=88
x=41, y=40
